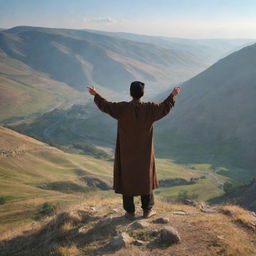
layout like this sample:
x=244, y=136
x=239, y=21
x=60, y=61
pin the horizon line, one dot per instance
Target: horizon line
x=133, y=33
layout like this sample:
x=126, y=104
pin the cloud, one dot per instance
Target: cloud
x=99, y=20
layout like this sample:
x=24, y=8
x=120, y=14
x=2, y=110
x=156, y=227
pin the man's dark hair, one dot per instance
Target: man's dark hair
x=137, y=89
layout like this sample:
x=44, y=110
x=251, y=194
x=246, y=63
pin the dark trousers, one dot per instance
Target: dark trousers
x=147, y=202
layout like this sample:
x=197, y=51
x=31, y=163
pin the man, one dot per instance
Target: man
x=134, y=166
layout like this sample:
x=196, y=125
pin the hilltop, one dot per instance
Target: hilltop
x=97, y=227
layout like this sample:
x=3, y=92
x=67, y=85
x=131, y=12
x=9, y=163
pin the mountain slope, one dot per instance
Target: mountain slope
x=243, y=195
x=53, y=65
x=216, y=112
x=77, y=57
x=25, y=91
x=32, y=172
x=207, y=50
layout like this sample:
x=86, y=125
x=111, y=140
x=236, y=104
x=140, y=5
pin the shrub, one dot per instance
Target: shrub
x=184, y=195
x=229, y=187
x=2, y=200
x=46, y=209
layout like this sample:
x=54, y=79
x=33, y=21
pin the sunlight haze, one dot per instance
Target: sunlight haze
x=172, y=18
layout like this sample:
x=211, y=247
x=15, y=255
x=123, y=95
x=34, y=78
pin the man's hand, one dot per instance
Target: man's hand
x=91, y=90
x=176, y=91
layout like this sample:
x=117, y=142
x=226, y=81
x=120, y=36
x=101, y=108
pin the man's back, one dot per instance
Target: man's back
x=134, y=167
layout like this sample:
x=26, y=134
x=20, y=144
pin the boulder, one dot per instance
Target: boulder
x=120, y=241
x=169, y=235
x=140, y=224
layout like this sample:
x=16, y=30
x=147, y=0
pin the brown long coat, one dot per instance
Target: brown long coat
x=134, y=166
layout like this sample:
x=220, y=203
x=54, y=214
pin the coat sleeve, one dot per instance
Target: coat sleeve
x=159, y=110
x=111, y=108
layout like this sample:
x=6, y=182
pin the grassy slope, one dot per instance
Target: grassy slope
x=31, y=163
x=213, y=120
x=24, y=91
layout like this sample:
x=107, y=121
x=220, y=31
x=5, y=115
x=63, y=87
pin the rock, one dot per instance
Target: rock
x=93, y=209
x=191, y=202
x=169, y=235
x=138, y=243
x=162, y=220
x=179, y=213
x=208, y=210
x=154, y=232
x=115, y=210
x=104, y=222
x=140, y=224
x=120, y=241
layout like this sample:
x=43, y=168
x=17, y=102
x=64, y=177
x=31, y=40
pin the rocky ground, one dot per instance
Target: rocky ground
x=98, y=227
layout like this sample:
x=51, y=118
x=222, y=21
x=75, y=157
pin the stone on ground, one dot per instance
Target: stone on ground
x=138, y=242
x=162, y=220
x=179, y=213
x=140, y=224
x=169, y=235
x=120, y=241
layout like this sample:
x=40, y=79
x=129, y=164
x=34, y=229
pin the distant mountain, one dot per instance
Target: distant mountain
x=215, y=113
x=207, y=50
x=24, y=91
x=212, y=122
x=53, y=65
x=78, y=57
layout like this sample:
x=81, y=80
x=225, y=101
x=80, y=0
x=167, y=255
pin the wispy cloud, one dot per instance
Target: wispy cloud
x=99, y=20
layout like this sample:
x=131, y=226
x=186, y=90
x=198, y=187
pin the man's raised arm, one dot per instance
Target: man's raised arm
x=159, y=110
x=111, y=108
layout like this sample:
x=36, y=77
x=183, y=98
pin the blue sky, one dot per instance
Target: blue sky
x=174, y=18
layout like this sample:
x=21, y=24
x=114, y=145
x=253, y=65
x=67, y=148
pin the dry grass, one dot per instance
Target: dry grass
x=240, y=215
x=76, y=232
x=67, y=251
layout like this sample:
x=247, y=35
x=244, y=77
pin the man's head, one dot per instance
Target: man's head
x=137, y=89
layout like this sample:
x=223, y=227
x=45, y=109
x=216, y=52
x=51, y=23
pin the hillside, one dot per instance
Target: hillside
x=243, y=195
x=53, y=65
x=206, y=50
x=43, y=69
x=215, y=114
x=24, y=91
x=32, y=172
x=97, y=227
x=78, y=57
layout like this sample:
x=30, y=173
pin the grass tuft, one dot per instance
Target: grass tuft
x=239, y=215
